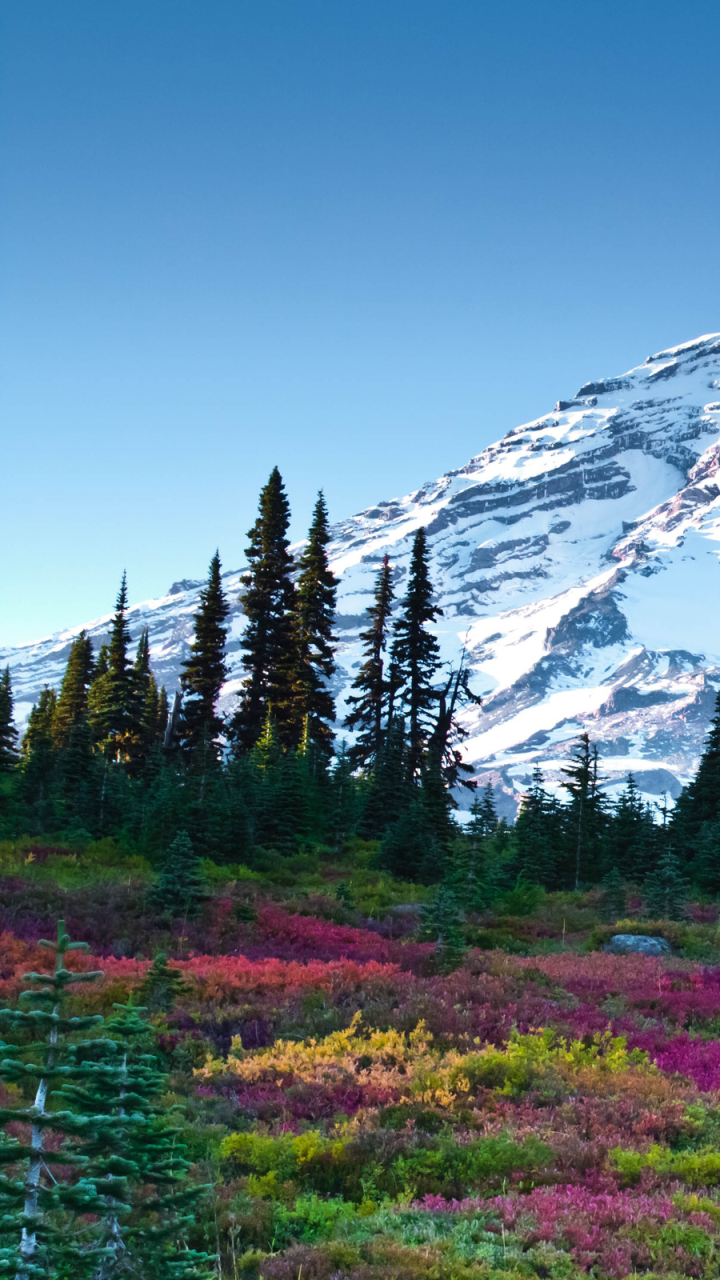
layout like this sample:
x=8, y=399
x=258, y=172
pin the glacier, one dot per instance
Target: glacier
x=576, y=563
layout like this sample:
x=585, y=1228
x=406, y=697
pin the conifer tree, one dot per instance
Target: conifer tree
x=484, y=819
x=8, y=732
x=389, y=792
x=180, y=890
x=416, y=653
x=111, y=698
x=699, y=802
x=441, y=925
x=313, y=706
x=665, y=889
x=269, y=605
x=370, y=703
x=625, y=834
x=162, y=986
x=536, y=834
x=586, y=818
x=614, y=899
x=73, y=699
x=205, y=671
x=38, y=757
x=80, y=775
x=135, y=1154
x=42, y=1225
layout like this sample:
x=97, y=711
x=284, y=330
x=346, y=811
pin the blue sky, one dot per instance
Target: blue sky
x=357, y=238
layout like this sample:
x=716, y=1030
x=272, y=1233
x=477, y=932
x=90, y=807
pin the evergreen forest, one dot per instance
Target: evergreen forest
x=283, y=997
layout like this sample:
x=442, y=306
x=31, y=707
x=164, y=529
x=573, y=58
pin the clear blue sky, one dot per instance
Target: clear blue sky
x=358, y=238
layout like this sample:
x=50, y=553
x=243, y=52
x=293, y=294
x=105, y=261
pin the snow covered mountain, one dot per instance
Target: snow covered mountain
x=577, y=562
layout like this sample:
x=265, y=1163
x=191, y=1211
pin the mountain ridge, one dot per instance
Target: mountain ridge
x=576, y=560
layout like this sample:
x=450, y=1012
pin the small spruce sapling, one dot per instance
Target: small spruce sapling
x=180, y=890
x=441, y=924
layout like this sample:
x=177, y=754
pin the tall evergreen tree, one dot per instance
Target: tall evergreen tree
x=111, y=699
x=38, y=758
x=625, y=834
x=586, y=817
x=205, y=671
x=269, y=605
x=417, y=654
x=536, y=835
x=699, y=802
x=313, y=706
x=370, y=703
x=8, y=732
x=389, y=792
x=73, y=699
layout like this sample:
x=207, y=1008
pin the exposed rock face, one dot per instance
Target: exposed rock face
x=576, y=560
x=625, y=944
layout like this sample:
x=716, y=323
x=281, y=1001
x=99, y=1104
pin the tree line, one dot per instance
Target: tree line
x=106, y=754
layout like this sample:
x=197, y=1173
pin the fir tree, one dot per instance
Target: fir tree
x=42, y=1220
x=135, y=1154
x=626, y=831
x=180, y=890
x=111, y=699
x=73, y=699
x=370, y=703
x=269, y=605
x=410, y=850
x=441, y=925
x=313, y=641
x=614, y=900
x=416, y=653
x=665, y=889
x=699, y=802
x=536, y=834
x=162, y=986
x=586, y=816
x=484, y=819
x=389, y=792
x=205, y=671
x=8, y=732
x=38, y=758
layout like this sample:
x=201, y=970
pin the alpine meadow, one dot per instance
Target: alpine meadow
x=369, y=926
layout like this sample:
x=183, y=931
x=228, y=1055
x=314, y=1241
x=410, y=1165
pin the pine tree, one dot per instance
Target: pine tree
x=111, y=698
x=8, y=732
x=370, y=703
x=180, y=890
x=416, y=653
x=205, y=671
x=73, y=699
x=313, y=706
x=43, y=1224
x=441, y=925
x=269, y=605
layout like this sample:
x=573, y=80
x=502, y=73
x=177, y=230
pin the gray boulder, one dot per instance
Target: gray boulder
x=625, y=944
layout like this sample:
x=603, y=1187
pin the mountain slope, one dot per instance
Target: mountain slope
x=576, y=560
